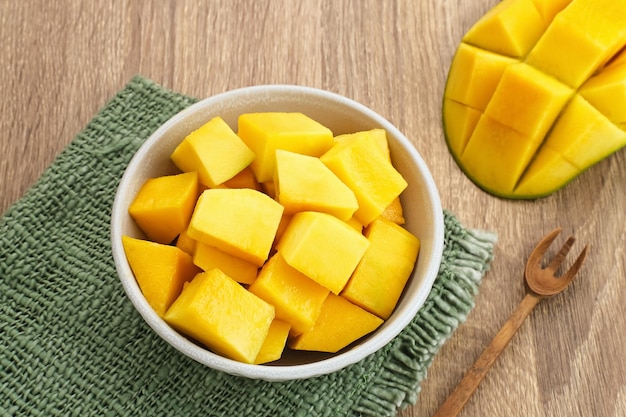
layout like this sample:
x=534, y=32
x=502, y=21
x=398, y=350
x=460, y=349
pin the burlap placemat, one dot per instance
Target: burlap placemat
x=72, y=345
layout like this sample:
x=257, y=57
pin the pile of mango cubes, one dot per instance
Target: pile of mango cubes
x=278, y=235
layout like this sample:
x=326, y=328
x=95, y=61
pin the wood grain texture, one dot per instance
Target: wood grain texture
x=61, y=61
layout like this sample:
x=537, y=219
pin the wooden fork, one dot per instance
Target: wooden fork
x=540, y=283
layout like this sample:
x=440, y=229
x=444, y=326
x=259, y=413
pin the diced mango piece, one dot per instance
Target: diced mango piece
x=511, y=28
x=583, y=135
x=603, y=20
x=461, y=121
x=304, y=183
x=566, y=53
x=527, y=100
x=322, y=247
x=160, y=270
x=274, y=344
x=241, y=222
x=264, y=133
x=234, y=324
x=607, y=92
x=185, y=243
x=245, y=179
x=339, y=324
x=296, y=298
x=378, y=280
x=282, y=226
x=580, y=39
x=214, y=151
x=548, y=172
x=474, y=75
x=370, y=175
x=163, y=206
x=380, y=135
x=394, y=212
x=497, y=155
x=207, y=257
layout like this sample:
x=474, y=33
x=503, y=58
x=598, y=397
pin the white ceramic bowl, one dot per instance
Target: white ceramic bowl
x=422, y=210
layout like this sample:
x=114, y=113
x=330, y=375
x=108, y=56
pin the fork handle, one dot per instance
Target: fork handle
x=455, y=402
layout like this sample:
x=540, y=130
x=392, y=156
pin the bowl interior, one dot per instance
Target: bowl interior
x=421, y=204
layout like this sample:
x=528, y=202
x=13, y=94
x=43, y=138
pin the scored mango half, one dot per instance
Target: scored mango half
x=536, y=94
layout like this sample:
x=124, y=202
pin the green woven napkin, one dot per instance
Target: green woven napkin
x=72, y=345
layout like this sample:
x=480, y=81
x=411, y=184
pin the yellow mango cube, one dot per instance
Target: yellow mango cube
x=296, y=298
x=163, y=206
x=282, y=226
x=304, y=183
x=474, y=75
x=497, y=154
x=462, y=122
x=580, y=39
x=549, y=171
x=185, y=243
x=527, y=100
x=511, y=28
x=394, y=212
x=606, y=91
x=603, y=20
x=241, y=222
x=379, y=135
x=207, y=257
x=214, y=151
x=244, y=179
x=323, y=248
x=583, y=135
x=380, y=277
x=274, y=344
x=339, y=324
x=160, y=270
x=370, y=175
x=566, y=53
x=234, y=323
x=264, y=133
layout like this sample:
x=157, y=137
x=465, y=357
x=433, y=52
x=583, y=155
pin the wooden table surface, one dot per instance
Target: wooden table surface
x=62, y=60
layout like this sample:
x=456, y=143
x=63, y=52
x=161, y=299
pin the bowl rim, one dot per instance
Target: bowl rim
x=271, y=372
